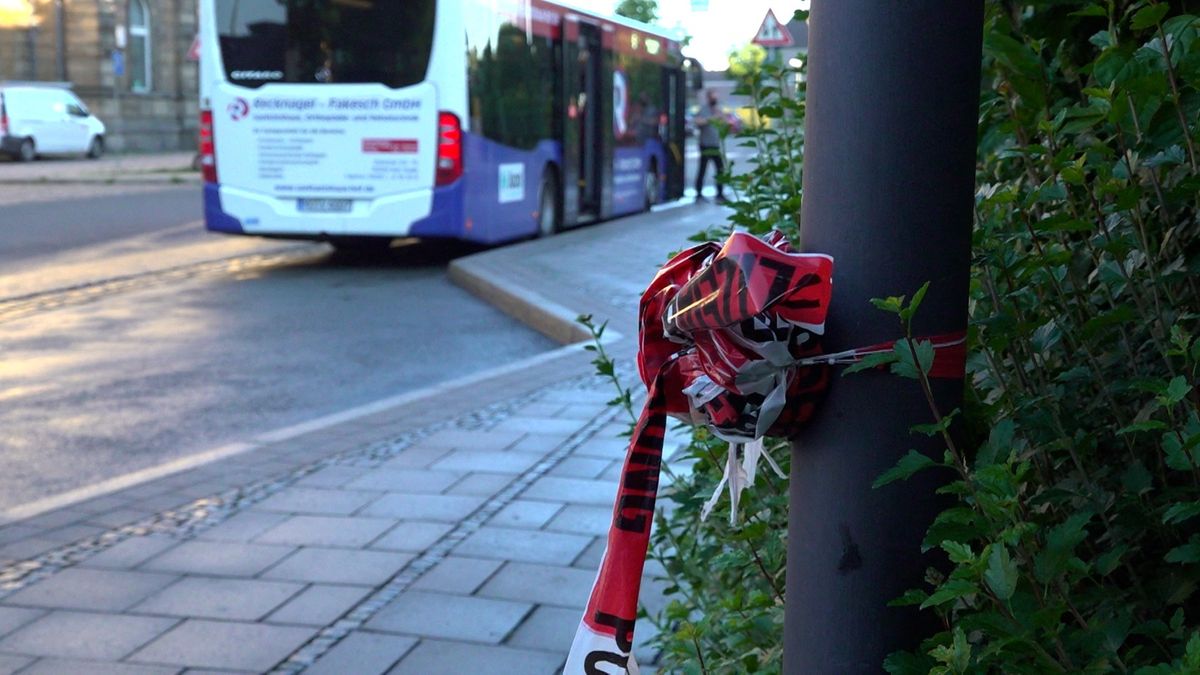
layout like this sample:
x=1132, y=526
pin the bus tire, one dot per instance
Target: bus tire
x=549, y=215
x=651, y=184
x=27, y=152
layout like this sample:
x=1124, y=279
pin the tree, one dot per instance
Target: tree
x=745, y=61
x=645, y=11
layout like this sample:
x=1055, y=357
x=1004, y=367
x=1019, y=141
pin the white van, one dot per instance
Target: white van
x=46, y=120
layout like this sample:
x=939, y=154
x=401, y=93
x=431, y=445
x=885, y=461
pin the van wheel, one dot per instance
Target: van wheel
x=95, y=148
x=651, y=186
x=548, y=215
x=27, y=153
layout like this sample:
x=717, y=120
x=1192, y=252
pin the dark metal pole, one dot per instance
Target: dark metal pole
x=893, y=97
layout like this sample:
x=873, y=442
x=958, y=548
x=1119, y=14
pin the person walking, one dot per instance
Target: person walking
x=710, y=146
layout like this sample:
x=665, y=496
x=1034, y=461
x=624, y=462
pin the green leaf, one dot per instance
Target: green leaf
x=1148, y=425
x=905, y=366
x=1001, y=574
x=910, y=311
x=910, y=598
x=1137, y=478
x=905, y=468
x=950, y=591
x=892, y=304
x=999, y=444
x=1187, y=554
x=1181, y=512
x=1108, y=562
x=870, y=361
x=1061, y=541
x=1091, y=10
x=1177, y=389
x=1149, y=16
x=958, y=553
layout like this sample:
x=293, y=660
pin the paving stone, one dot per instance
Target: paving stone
x=12, y=618
x=486, y=460
x=549, y=628
x=12, y=533
x=592, y=555
x=352, y=531
x=581, y=519
x=540, y=444
x=72, y=667
x=482, y=484
x=55, y=519
x=116, y=517
x=415, y=536
x=243, y=527
x=101, y=504
x=603, y=448
x=416, y=457
x=542, y=584
x=444, y=508
x=25, y=549
x=525, y=514
x=541, y=409
x=412, y=481
x=539, y=425
x=464, y=439
x=573, y=490
x=10, y=664
x=130, y=553
x=450, y=616
x=73, y=533
x=219, y=558
x=362, y=653
x=331, y=477
x=317, y=501
x=209, y=598
x=581, y=411
x=95, y=589
x=525, y=545
x=438, y=656
x=339, y=566
x=224, y=644
x=455, y=574
x=319, y=605
x=580, y=467
x=85, y=635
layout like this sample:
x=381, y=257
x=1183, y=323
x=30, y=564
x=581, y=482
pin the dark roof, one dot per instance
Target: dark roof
x=799, y=31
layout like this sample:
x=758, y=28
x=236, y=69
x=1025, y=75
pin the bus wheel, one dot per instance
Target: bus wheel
x=548, y=205
x=27, y=153
x=651, y=186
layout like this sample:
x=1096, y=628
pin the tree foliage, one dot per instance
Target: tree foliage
x=645, y=11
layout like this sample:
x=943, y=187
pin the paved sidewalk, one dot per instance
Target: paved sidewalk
x=153, y=168
x=454, y=530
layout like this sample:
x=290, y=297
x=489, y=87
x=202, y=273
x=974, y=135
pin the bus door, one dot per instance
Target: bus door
x=582, y=133
x=674, y=95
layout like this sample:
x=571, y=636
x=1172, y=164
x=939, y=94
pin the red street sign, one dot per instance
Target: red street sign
x=772, y=33
x=194, y=51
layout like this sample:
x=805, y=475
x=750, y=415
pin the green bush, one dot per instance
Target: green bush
x=1073, y=544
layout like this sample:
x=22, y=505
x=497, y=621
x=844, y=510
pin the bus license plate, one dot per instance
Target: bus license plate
x=324, y=205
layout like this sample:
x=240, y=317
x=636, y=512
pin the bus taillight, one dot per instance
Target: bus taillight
x=208, y=156
x=449, y=150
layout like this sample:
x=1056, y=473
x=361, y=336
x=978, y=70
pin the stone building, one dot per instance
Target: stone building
x=152, y=104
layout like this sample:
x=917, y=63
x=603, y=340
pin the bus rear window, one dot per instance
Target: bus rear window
x=325, y=41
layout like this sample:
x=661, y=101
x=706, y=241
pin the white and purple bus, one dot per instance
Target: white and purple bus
x=359, y=121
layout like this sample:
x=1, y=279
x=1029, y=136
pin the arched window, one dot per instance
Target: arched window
x=139, y=51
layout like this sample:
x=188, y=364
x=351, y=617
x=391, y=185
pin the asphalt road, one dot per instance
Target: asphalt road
x=39, y=228
x=93, y=386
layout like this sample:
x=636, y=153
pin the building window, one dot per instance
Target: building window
x=138, y=62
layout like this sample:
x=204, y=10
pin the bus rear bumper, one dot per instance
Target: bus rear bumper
x=433, y=212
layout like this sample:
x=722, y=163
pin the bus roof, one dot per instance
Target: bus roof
x=653, y=29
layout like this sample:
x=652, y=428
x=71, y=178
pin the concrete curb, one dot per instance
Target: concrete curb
x=529, y=307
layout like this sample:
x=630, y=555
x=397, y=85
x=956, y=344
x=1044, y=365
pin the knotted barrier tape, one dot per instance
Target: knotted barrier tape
x=729, y=338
